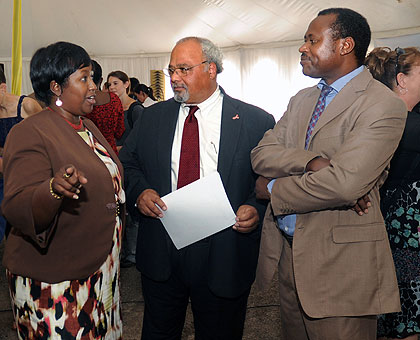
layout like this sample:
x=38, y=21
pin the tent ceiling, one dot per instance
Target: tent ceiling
x=128, y=27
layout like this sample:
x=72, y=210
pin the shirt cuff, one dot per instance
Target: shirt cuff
x=270, y=185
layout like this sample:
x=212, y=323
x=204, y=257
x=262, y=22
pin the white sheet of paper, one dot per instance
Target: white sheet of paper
x=198, y=210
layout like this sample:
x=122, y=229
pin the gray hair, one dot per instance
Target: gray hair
x=211, y=52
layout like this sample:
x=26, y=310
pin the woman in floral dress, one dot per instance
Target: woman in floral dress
x=400, y=195
x=64, y=201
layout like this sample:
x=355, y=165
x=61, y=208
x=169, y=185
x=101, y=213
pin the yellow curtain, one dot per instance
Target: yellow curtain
x=17, y=48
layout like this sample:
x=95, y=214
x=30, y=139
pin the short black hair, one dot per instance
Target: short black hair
x=2, y=76
x=133, y=83
x=97, y=72
x=351, y=24
x=55, y=62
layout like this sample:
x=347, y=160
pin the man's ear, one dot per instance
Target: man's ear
x=212, y=70
x=347, y=45
x=3, y=87
x=55, y=88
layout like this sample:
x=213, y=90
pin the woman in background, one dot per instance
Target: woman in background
x=64, y=201
x=134, y=82
x=119, y=83
x=145, y=95
x=107, y=113
x=13, y=109
x=400, y=195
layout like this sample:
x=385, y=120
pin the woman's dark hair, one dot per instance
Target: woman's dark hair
x=145, y=89
x=97, y=72
x=133, y=83
x=385, y=64
x=351, y=24
x=2, y=76
x=121, y=76
x=55, y=62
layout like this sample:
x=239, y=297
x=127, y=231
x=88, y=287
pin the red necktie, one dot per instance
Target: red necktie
x=189, y=161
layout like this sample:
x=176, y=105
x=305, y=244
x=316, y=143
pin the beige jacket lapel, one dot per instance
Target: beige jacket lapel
x=308, y=106
x=343, y=100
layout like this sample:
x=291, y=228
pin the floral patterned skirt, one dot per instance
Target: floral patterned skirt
x=76, y=309
x=402, y=221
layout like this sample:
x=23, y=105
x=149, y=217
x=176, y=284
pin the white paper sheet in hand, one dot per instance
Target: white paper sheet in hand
x=198, y=210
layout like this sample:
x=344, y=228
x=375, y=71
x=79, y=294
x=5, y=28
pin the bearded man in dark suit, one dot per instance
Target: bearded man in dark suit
x=215, y=273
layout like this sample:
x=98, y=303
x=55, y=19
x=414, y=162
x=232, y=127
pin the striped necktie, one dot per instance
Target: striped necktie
x=319, y=108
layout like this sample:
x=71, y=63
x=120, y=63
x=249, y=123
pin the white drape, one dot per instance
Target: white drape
x=263, y=75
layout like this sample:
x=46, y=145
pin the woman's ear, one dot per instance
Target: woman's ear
x=401, y=80
x=55, y=88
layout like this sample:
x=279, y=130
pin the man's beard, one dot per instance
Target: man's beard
x=181, y=97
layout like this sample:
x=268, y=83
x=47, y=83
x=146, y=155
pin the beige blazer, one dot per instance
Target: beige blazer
x=342, y=261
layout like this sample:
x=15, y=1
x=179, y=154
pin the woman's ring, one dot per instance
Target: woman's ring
x=66, y=175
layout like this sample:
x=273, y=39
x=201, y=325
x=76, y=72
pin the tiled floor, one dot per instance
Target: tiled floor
x=262, y=320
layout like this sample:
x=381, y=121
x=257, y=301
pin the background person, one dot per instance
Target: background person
x=107, y=113
x=134, y=82
x=332, y=146
x=105, y=87
x=42, y=104
x=400, y=203
x=63, y=199
x=216, y=273
x=119, y=83
x=13, y=109
x=144, y=95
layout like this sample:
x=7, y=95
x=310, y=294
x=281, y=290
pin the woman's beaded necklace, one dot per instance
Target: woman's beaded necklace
x=74, y=126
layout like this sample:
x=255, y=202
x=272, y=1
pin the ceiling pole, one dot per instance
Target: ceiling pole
x=17, y=48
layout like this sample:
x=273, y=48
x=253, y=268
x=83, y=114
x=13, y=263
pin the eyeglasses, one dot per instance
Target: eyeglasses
x=398, y=51
x=183, y=71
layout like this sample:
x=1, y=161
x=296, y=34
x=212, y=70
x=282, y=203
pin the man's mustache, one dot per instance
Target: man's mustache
x=179, y=85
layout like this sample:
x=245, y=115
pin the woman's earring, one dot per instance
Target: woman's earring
x=403, y=91
x=58, y=102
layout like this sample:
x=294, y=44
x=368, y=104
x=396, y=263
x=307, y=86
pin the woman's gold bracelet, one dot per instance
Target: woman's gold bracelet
x=53, y=194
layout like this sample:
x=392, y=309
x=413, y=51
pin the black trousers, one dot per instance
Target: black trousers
x=166, y=302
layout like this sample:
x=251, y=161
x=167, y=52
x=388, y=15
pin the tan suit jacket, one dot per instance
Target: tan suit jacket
x=342, y=261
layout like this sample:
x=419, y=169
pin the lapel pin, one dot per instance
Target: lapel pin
x=235, y=117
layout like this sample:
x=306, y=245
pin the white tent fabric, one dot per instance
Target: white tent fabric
x=260, y=38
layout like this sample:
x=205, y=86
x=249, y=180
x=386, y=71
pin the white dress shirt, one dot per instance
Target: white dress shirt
x=209, y=117
x=148, y=102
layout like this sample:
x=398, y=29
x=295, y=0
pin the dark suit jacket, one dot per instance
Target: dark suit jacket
x=401, y=164
x=146, y=157
x=80, y=238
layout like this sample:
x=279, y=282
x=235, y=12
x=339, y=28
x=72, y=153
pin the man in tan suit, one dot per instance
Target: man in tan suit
x=328, y=150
